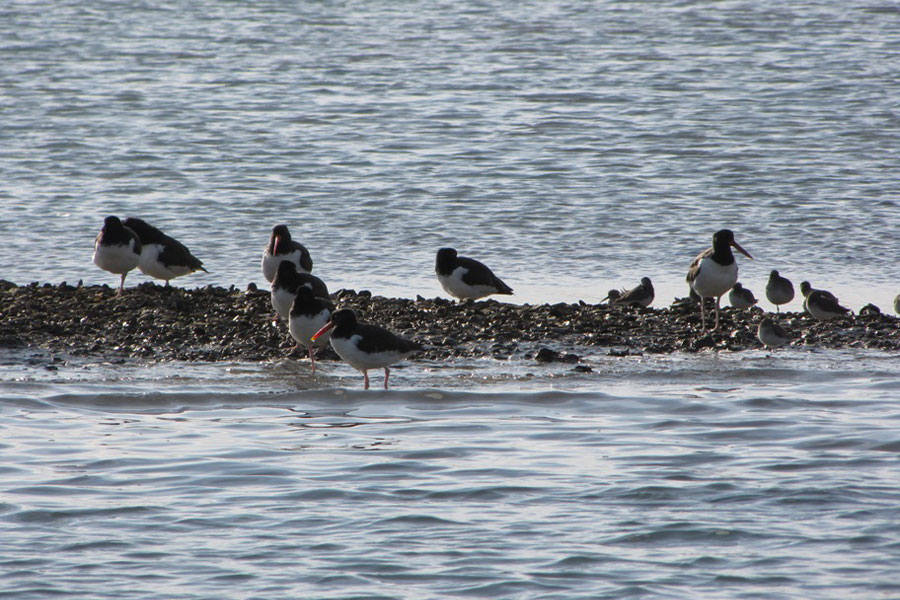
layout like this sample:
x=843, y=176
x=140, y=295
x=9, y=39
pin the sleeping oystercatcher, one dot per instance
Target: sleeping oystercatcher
x=309, y=314
x=779, y=290
x=286, y=283
x=466, y=278
x=162, y=256
x=117, y=249
x=643, y=294
x=821, y=304
x=714, y=271
x=280, y=248
x=771, y=334
x=741, y=297
x=365, y=346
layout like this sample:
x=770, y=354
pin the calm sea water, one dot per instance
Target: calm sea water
x=574, y=147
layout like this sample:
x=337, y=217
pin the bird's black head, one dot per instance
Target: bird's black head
x=344, y=318
x=723, y=237
x=773, y=274
x=645, y=281
x=280, y=238
x=286, y=269
x=445, y=261
x=805, y=288
x=112, y=222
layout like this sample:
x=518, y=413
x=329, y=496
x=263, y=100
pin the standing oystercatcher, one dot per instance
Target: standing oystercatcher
x=117, y=249
x=309, y=314
x=466, y=278
x=821, y=304
x=741, y=297
x=286, y=283
x=714, y=271
x=365, y=346
x=162, y=256
x=280, y=248
x=779, y=290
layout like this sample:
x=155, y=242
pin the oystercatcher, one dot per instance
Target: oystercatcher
x=771, y=334
x=117, y=249
x=309, y=314
x=286, y=283
x=365, y=346
x=714, y=271
x=280, y=248
x=779, y=290
x=162, y=256
x=466, y=278
x=821, y=304
x=741, y=297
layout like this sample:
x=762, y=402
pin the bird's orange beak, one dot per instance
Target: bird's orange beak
x=275, y=245
x=741, y=250
x=328, y=327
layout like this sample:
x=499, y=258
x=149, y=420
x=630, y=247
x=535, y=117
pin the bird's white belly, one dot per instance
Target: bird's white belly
x=270, y=263
x=350, y=353
x=454, y=285
x=149, y=264
x=714, y=279
x=303, y=328
x=116, y=259
x=282, y=300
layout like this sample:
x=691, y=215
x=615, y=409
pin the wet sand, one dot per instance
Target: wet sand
x=212, y=323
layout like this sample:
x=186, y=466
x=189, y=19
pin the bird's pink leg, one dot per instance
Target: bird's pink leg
x=366, y=375
x=312, y=359
x=387, y=372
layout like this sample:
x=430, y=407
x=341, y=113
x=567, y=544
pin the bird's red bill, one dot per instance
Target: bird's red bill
x=328, y=326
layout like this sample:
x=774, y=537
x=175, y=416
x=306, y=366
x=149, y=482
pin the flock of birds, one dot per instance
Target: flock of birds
x=302, y=299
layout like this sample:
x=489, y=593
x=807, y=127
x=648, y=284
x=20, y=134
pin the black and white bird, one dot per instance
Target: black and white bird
x=643, y=294
x=162, y=256
x=286, y=283
x=365, y=346
x=310, y=313
x=771, y=334
x=280, y=248
x=714, y=271
x=779, y=290
x=117, y=249
x=821, y=304
x=466, y=278
x=741, y=297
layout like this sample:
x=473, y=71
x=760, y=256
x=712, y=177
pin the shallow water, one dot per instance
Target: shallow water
x=719, y=476
x=574, y=148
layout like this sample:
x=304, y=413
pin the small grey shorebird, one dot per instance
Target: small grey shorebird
x=643, y=294
x=779, y=290
x=741, y=297
x=771, y=334
x=821, y=304
x=714, y=271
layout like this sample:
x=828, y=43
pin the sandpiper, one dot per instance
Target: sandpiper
x=779, y=290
